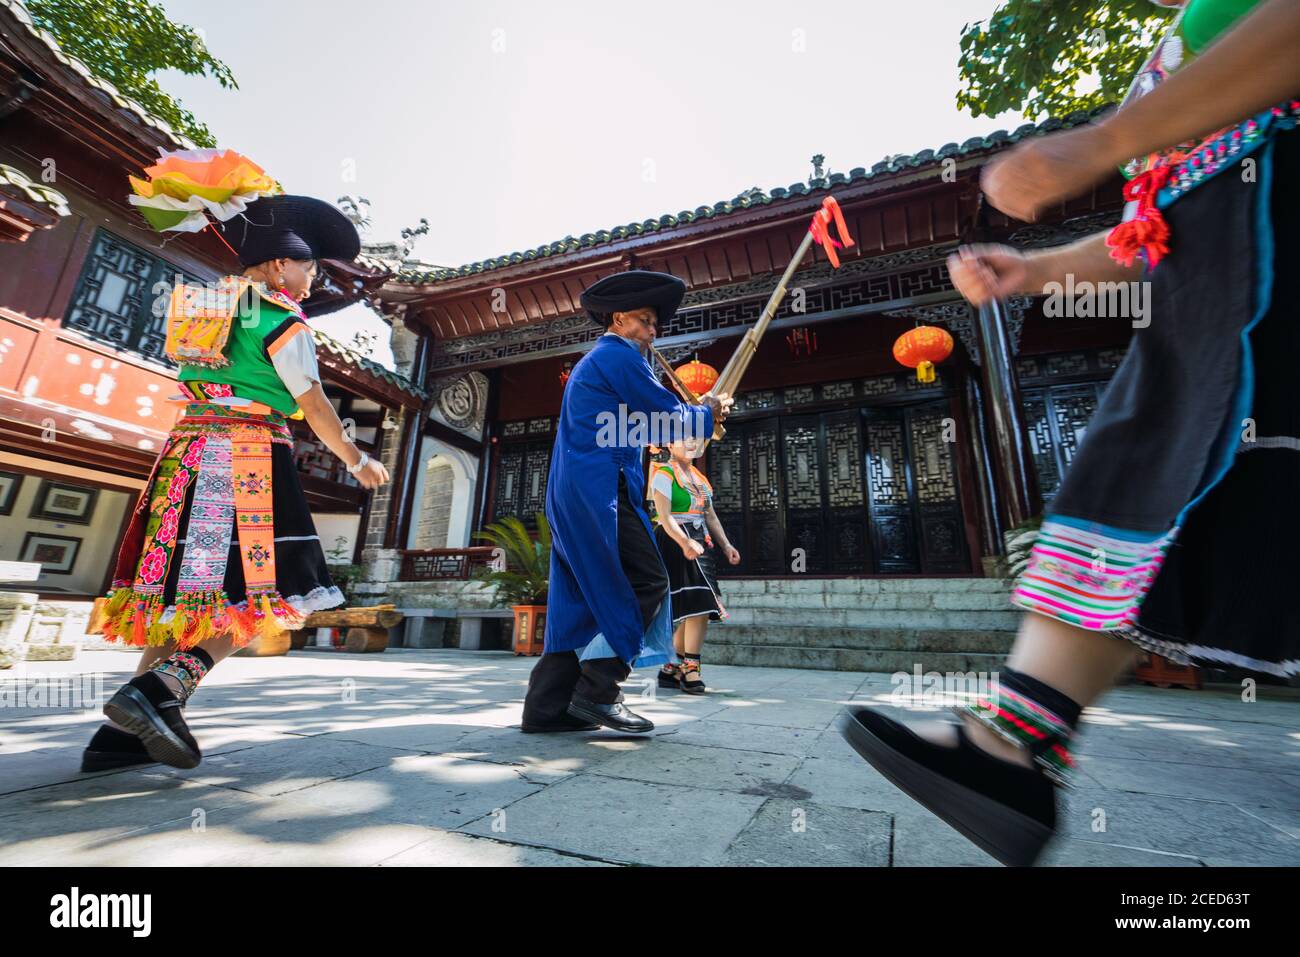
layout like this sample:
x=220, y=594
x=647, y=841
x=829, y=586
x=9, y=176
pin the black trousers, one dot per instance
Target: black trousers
x=558, y=676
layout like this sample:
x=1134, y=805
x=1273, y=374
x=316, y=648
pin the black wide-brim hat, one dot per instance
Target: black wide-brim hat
x=291, y=227
x=634, y=289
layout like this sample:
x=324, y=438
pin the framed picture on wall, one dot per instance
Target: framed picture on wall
x=61, y=502
x=10, y=483
x=55, y=553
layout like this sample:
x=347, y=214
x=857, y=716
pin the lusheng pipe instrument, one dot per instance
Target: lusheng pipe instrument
x=819, y=231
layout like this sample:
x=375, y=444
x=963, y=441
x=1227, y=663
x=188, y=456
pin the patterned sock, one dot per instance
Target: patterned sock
x=1033, y=715
x=689, y=660
x=187, y=667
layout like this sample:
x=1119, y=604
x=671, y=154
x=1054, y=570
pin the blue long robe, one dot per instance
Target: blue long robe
x=592, y=608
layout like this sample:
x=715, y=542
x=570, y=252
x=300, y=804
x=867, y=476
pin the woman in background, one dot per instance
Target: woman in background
x=686, y=529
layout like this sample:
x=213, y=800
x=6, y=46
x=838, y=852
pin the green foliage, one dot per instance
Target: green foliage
x=1019, y=543
x=526, y=577
x=344, y=573
x=1034, y=55
x=126, y=42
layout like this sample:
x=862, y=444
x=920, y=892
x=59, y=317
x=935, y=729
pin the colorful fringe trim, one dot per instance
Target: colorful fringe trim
x=140, y=619
x=1087, y=578
x=1026, y=723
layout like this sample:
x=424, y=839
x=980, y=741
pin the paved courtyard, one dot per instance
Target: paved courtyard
x=415, y=758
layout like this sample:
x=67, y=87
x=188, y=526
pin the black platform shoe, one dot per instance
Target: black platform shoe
x=614, y=716
x=113, y=748
x=670, y=679
x=148, y=708
x=1006, y=809
x=691, y=682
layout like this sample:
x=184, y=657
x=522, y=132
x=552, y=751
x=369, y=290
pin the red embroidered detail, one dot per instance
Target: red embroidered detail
x=1147, y=232
x=167, y=527
x=193, y=456
x=176, y=488
x=152, y=566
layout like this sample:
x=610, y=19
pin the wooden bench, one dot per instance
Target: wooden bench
x=367, y=627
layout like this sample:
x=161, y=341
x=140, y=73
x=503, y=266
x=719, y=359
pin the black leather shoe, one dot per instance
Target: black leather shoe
x=563, y=723
x=112, y=748
x=1006, y=809
x=148, y=708
x=614, y=716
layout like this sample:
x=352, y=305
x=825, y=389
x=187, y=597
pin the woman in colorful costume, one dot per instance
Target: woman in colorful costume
x=221, y=548
x=686, y=529
x=1175, y=529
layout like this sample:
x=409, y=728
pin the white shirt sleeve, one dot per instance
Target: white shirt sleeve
x=663, y=483
x=295, y=362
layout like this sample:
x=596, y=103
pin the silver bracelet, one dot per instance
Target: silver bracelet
x=361, y=463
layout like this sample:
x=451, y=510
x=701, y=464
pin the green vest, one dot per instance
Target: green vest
x=250, y=371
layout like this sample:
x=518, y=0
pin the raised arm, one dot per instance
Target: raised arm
x=327, y=426
x=637, y=386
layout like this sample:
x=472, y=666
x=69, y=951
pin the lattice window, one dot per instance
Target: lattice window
x=1057, y=419
x=725, y=474
x=803, y=470
x=932, y=459
x=764, y=471
x=844, y=464
x=886, y=456
x=121, y=297
x=837, y=390
x=881, y=385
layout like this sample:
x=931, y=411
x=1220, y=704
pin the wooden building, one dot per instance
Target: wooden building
x=84, y=385
x=836, y=456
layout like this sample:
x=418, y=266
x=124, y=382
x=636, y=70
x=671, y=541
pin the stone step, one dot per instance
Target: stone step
x=874, y=618
x=861, y=586
x=848, y=659
x=911, y=640
x=884, y=601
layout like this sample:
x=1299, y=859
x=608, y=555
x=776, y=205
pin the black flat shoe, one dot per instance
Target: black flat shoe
x=1006, y=809
x=112, y=748
x=149, y=709
x=614, y=716
x=559, y=725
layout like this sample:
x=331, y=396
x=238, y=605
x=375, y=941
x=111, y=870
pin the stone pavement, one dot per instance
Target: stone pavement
x=414, y=758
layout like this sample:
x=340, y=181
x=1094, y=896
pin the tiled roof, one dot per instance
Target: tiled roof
x=38, y=193
x=365, y=364
x=416, y=273
x=19, y=13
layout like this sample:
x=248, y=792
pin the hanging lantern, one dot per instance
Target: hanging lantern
x=921, y=348
x=697, y=376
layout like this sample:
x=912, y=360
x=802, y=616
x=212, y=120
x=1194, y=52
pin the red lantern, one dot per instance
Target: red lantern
x=921, y=348
x=697, y=376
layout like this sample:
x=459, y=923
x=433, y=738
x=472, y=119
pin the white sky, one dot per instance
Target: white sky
x=509, y=124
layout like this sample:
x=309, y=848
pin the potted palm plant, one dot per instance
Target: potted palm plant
x=523, y=581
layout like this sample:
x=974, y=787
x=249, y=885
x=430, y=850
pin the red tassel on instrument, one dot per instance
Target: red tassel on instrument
x=820, y=229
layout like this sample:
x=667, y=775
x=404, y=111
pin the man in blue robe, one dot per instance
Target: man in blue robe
x=608, y=607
